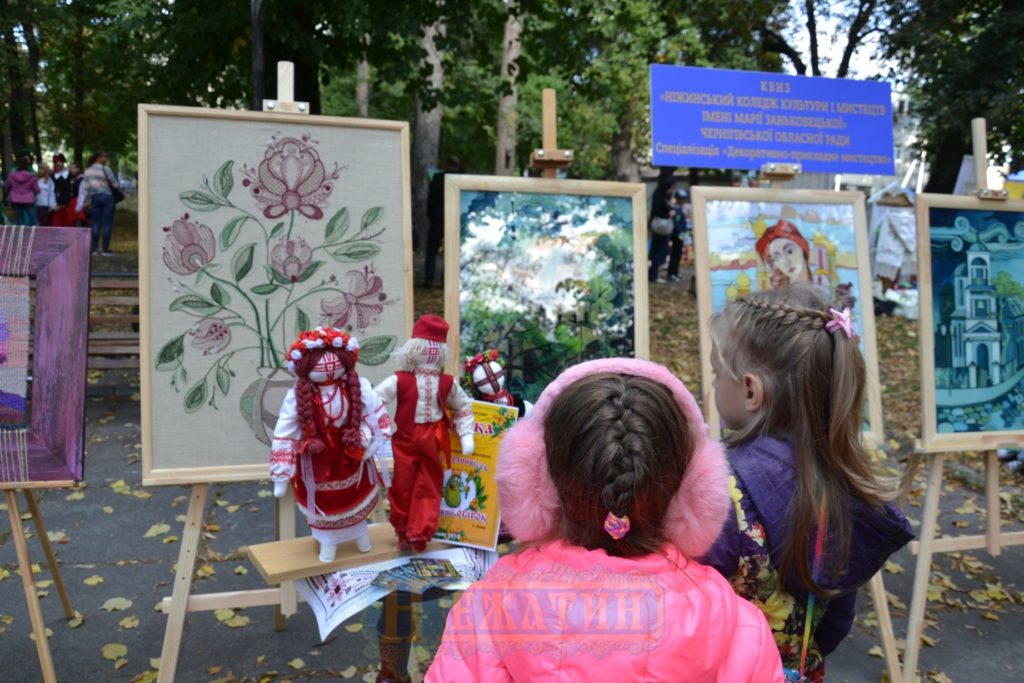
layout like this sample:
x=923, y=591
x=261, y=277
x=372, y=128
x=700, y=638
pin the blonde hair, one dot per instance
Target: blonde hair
x=814, y=387
x=405, y=355
x=43, y=170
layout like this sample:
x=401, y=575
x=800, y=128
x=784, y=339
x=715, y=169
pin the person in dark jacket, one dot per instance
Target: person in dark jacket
x=435, y=218
x=661, y=208
x=811, y=523
x=63, y=215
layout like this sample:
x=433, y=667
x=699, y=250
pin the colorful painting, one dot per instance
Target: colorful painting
x=548, y=277
x=977, y=319
x=14, y=347
x=279, y=227
x=470, y=514
x=751, y=240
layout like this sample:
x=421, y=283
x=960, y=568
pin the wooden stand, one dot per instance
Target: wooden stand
x=284, y=599
x=35, y=612
x=549, y=157
x=993, y=540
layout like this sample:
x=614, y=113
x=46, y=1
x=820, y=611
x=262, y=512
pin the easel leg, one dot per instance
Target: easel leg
x=285, y=523
x=35, y=613
x=51, y=559
x=892, y=655
x=993, y=528
x=923, y=570
x=182, y=583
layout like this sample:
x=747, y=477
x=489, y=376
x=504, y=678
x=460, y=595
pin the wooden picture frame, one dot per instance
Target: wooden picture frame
x=971, y=289
x=602, y=220
x=832, y=224
x=58, y=260
x=249, y=222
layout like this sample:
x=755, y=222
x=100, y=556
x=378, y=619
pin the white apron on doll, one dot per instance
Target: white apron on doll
x=324, y=448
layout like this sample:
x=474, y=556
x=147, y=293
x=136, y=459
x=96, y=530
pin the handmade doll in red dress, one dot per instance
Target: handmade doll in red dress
x=330, y=428
x=424, y=396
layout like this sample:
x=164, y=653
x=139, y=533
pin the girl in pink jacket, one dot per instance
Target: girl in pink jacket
x=614, y=486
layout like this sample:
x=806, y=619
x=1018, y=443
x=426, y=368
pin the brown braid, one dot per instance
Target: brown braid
x=786, y=314
x=350, y=435
x=305, y=405
x=313, y=443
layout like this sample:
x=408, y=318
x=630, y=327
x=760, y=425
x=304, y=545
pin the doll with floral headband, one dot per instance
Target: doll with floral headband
x=330, y=427
x=485, y=374
x=424, y=396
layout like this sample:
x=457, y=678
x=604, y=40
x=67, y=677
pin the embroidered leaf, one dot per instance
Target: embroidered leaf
x=301, y=321
x=309, y=271
x=336, y=227
x=191, y=302
x=199, y=201
x=219, y=294
x=376, y=350
x=279, y=277
x=372, y=216
x=277, y=230
x=223, y=181
x=356, y=252
x=241, y=263
x=223, y=380
x=264, y=289
x=195, y=397
x=169, y=354
x=229, y=233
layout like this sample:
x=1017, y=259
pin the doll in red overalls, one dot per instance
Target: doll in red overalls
x=424, y=397
x=330, y=427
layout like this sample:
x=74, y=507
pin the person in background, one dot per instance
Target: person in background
x=661, y=209
x=80, y=216
x=100, y=183
x=46, y=200
x=435, y=217
x=62, y=215
x=22, y=188
x=679, y=233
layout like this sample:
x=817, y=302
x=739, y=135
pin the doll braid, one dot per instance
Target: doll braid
x=351, y=436
x=312, y=442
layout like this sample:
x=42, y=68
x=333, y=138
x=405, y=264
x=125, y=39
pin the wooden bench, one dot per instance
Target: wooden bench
x=114, y=321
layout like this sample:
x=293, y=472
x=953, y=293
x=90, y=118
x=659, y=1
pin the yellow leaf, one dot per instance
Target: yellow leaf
x=121, y=487
x=876, y=651
x=265, y=493
x=144, y=495
x=927, y=640
x=354, y=628
x=205, y=571
x=49, y=634
x=223, y=614
x=41, y=594
x=6, y=619
x=170, y=539
x=241, y=571
x=980, y=597
x=893, y=567
x=180, y=518
x=75, y=495
x=157, y=530
x=93, y=580
x=120, y=663
x=237, y=621
x=991, y=616
x=213, y=527
x=77, y=620
x=349, y=672
x=155, y=662
x=113, y=651
x=221, y=503
x=128, y=622
x=4, y=573
x=146, y=677
x=259, y=660
x=296, y=663
x=213, y=670
x=45, y=583
x=232, y=508
x=116, y=604
x=996, y=591
x=109, y=510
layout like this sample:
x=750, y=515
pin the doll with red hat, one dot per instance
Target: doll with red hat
x=330, y=427
x=429, y=403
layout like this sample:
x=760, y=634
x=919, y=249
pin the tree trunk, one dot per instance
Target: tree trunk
x=426, y=148
x=625, y=167
x=363, y=88
x=508, y=101
x=78, y=116
x=16, y=109
x=258, y=62
x=29, y=32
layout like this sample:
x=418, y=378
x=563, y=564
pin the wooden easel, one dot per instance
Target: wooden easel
x=548, y=157
x=284, y=598
x=993, y=540
x=35, y=612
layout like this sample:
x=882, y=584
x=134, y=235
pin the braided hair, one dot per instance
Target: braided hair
x=619, y=444
x=813, y=383
x=305, y=393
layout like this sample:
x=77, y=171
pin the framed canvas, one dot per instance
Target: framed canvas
x=42, y=421
x=252, y=227
x=971, y=287
x=549, y=272
x=751, y=239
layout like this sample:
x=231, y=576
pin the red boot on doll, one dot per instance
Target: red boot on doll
x=424, y=397
x=330, y=427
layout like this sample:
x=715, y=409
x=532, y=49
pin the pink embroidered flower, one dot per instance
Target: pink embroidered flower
x=189, y=246
x=290, y=258
x=363, y=300
x=336, y=589
x=210, y=335
x=291, y=177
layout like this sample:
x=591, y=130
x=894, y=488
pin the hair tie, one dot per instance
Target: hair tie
x=841, y=321
x=616, y=526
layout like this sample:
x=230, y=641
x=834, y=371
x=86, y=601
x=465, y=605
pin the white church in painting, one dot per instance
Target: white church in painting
x=974, y=321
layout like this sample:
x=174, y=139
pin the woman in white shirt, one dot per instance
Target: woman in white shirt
x=46, y=200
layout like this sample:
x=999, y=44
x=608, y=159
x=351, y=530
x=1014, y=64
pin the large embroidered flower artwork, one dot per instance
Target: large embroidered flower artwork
x=291, y=177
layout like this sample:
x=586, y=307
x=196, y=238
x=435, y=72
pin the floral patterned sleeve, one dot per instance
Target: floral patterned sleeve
x=286, y=436
x=461, y=406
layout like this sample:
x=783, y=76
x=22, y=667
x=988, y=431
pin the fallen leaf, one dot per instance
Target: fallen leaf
x=77, y=620
x=45, y=583
x=205, y=571
x=991, y=616
x=893, y=567
x=157, y=530
x=296, y=663
x=49, y=634
x=232, y=508
x=223, y=614
x=93, y=580
x=876, y=651
x=144, y=495
x=349, y=672
x=237, y=621
x=213, y=670
x=128, y=622
x=241, y=571
x=259, y=660
x=116, y=604
x=155, y=662
x=265, y=493
x=212, y=527
x=354, y=628
x=927, y=640
x=221, y=503
x=75, y=495
x=170, y=539
x=109, y=510
x=120, y=663
x=146, y=677
x=113, y=651
x=121, y=487
x=4, y=573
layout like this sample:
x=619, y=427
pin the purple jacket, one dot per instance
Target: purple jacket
x=765, y=472
x=22, y=187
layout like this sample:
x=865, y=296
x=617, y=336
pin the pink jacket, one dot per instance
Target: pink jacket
x=564, y=613
x=22, y=187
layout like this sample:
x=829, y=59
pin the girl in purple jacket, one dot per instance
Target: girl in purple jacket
x=22, y=189
x=810, y=522
x=614, y=485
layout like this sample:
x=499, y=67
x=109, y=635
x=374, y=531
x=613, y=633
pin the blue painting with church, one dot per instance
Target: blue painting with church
x=978, y=313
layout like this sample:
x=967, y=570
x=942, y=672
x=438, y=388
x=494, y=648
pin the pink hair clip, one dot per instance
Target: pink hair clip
x=841, y=321
x=616, y=526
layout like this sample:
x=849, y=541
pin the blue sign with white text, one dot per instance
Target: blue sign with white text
x=719, y=118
